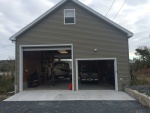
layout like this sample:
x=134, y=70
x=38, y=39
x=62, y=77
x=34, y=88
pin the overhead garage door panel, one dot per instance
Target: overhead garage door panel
x=39, y=48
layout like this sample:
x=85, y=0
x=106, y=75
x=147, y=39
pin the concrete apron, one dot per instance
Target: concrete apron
x=57, y=95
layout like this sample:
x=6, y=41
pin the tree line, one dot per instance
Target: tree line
x=7, y=66
x=143, y=60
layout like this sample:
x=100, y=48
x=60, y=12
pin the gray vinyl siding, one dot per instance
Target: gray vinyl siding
x=88, y=33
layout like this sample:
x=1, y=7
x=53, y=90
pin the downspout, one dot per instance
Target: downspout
x=13, y=41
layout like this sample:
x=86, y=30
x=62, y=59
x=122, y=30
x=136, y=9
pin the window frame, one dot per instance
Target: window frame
x=70, y=16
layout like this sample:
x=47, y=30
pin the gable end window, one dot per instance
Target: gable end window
x=69, y=16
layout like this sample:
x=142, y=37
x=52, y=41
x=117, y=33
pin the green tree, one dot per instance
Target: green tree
x=144, y=58
x=143, y=52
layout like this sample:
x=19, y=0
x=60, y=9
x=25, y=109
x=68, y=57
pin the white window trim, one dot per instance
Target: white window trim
x=74, y=17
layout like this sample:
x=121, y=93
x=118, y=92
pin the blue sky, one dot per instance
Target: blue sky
x=16, y=14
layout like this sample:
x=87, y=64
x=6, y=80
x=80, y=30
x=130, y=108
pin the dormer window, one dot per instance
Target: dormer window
x=69, y=16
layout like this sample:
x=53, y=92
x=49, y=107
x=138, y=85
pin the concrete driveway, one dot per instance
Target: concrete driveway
x=56, y=95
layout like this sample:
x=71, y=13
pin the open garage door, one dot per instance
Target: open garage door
x=96, y=74
x=46, y=67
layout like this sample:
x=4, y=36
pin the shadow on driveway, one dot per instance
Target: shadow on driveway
x=73, y=107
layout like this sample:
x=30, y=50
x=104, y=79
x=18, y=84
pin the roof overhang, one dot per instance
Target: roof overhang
x=129, y=34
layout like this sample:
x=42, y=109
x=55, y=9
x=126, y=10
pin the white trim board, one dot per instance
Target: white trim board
x=21, y=61
x=84, y=59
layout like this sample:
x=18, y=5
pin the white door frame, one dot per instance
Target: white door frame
x=21, y=61
x=115, y=70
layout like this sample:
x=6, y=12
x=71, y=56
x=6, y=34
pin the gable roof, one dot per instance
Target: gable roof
x=129, y=34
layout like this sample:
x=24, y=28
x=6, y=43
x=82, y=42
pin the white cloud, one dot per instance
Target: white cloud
x=16, y=14
x=132, y=55
x=87, y=2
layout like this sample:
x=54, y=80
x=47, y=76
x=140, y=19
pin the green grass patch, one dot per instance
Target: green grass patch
x=6, y=84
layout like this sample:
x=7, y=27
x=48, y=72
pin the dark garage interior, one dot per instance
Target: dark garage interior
x=49, y=69
x=96, y=75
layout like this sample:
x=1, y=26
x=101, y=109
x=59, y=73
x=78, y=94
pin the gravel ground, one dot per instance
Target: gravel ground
x=73, y=107
x=142, y=89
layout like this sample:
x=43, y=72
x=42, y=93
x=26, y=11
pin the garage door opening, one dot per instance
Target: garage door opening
x=46, y=67
x=96, y=74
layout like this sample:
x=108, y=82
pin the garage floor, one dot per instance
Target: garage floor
x=55, y=95
x=96, y=86
x=63, y=85
x=60, y=84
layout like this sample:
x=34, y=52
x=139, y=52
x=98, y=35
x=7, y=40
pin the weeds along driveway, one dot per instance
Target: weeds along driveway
x=73, y=107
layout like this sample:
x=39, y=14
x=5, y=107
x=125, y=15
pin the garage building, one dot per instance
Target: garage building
x=72, y=32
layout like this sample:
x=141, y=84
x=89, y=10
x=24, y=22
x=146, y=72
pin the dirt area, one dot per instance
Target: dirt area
x=5, y=96
x=141, y=81
x=145, y=72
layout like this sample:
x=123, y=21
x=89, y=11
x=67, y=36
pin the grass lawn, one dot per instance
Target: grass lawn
x=6, y=85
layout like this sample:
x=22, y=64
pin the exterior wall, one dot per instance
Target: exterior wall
x=87, y=34
x=35, y=66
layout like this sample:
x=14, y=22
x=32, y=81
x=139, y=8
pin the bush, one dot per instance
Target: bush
x=6, y=84
x=139, y=81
